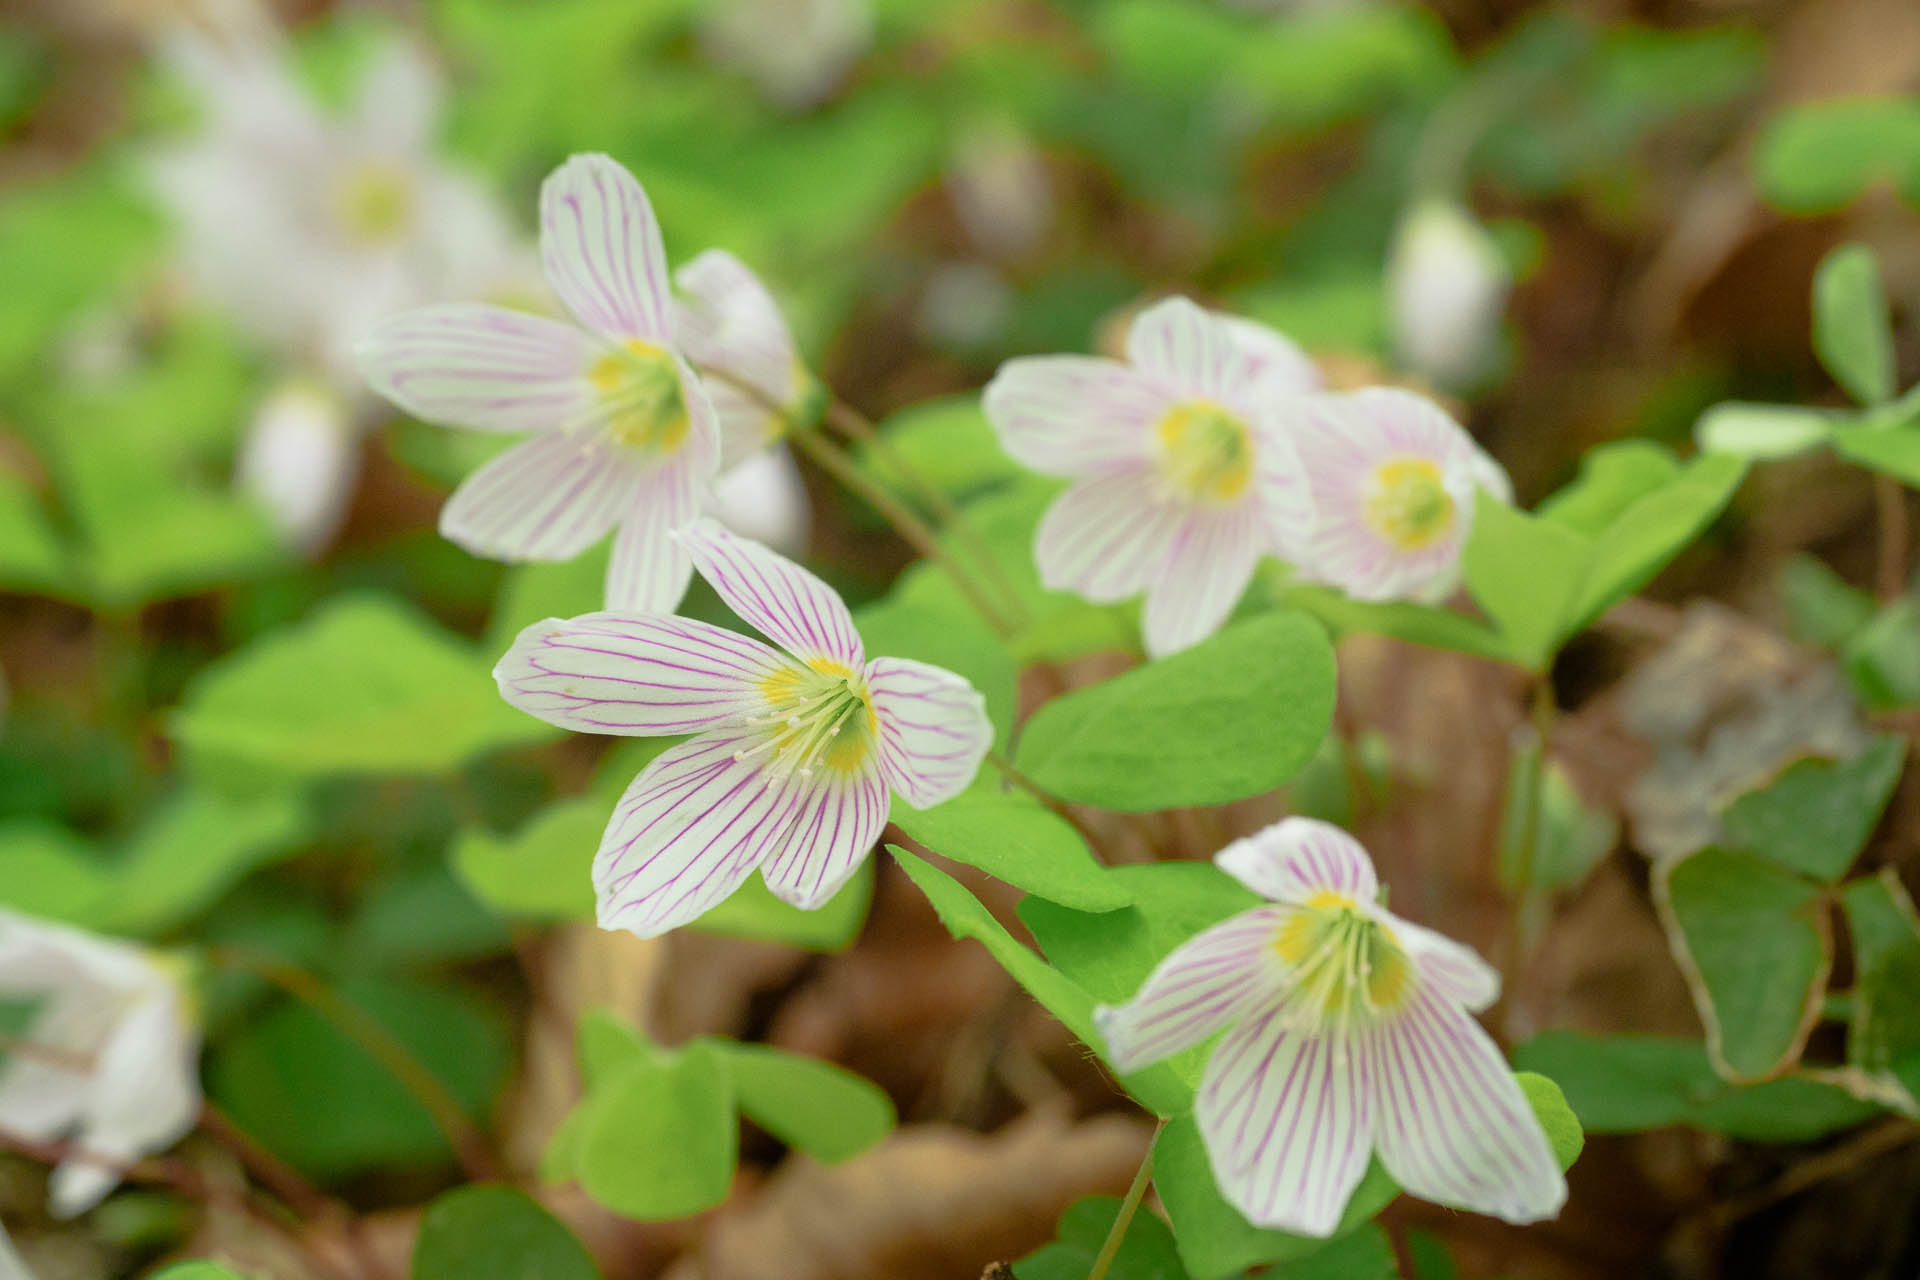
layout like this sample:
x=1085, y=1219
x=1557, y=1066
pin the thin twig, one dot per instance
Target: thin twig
x=1136, y=1192
x=269, y=1170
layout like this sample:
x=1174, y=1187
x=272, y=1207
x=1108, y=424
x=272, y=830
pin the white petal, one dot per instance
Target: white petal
x=1214, y=978
x=1296, y=858
x=299, y=461
x=548, y=498
x=1070, y=415
x=762, y=497
x=650, y=569
x=1187, y=350
x=790, y=606
x=399, y=101
x=627, y=674
x=145, y=1096
x=689, y=831
x=727, y=321
x=1454, y=1126
x=465, y=364
x=1107, y=537
x=1287, y=1120
x=1283, y=492
x=841, y=817
x=933, y=729
x=1207, y=567
x=1275, y=364
x=1447, y=284
x=600, y=245
x=1455, y=970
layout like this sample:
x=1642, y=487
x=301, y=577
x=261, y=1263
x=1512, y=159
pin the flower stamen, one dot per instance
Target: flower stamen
x=1206, y=452
x=1407, y=503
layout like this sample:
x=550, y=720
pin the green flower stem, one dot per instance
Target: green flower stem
x=1128, y=1207
x=469, y=1147
x=1529, y=907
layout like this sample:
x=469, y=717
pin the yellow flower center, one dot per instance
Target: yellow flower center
x=1345, y=965
x=1206, y=451
x=1407, y=503
x=817, y=715
x=376, y=202
x=640, y=398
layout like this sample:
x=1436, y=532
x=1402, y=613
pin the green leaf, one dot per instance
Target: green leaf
x=1753, y=942
x=1762, y=432
x=1232, y=717
x=1568, y=836
x=1882, y=659
x=1816, y=816
x=1884, y=1035
x=298, y=1084
x=51, y=871
x=753, y=912
x=826, y=1111
x=1612, y=478
x=1364, y=1253
x=197, y=1270
x=659, y=1139
x=1525, y=571
x=421, y=917
x=498, y=1233
x=1817, y=157
x=1892, y=451
x=1147, y=1251
x=1630, y=1083
x=1851, y=332
x=1418, y=623
x=1822, y=608
x=364, y=686
x=1014, y=838
x=544, y=871
x=946, y=443
x=1643, y=538
x=30, y=556
x=1550, y=1107
x=901, y=629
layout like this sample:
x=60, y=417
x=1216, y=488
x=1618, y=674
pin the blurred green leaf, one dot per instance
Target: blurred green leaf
x=1822, y=608
x=1526, y=572
x=1233, y=716
x=1882, y=658
x=544, y=871
x=31, y=557
x=753, y=912
x=194, y=849
x=197, y=1270
x=826, y=1111
x=1012, y=837
x=1883, y=1037
x=423, y=917
x=1753, y=941
x=1568, y=836
x=1642, y=539
x=1631, y=1083
x=1418, y=623
x=1851, y=331
x=1817, y=157
x=1816, y=816
x=51, y=871
x=364, y=686
x=659, y=1140
x=945, y=443
x=498, y=1233
x=1147, y=1251
x=1892, y=451
x=1763, y=432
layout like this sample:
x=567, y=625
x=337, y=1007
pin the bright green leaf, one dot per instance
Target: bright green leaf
x=1612, y=478
x=1816, y=816
x=1418, y=623
x=1643, y=538
x=1762, y=432
x=1550, y=1107
x=1892, y=451
x=544, y=871
x=1147, y=1251
x=1525, y=571
x=1816, y=157
x=1014, y=838
x=497, y=1233
x=826, y=1111
x=1851, y=332
x=753, y=912
x=659, y=1140
x=198, y=1270
x=30, y=556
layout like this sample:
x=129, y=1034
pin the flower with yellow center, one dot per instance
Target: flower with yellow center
x=1348, y=1033
x=1395, y=480
x=794, y=749
x=1182, y=460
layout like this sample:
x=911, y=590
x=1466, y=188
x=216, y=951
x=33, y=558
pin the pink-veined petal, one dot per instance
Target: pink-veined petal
x=1296, y=858
x=548, y=498
x=466, y=364
x=790, y=606
x=600, y=246
x=689, y=831
x=1187, y=350
x=933, y=729
x=650, y=569
x=727, y=321
x=1452, y=968
x=1207, y=567
x=840, y=819
x=1287, y=1119
x=1107, y=537
x=627, y=674
x=1283, y=493
x=1274, y=364
x=1214, y=978
x=1454, y=1127
x=1070, y=415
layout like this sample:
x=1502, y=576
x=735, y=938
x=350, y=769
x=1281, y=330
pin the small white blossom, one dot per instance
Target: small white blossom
x=796, y=52
x=1447, y=289
x=299, y=461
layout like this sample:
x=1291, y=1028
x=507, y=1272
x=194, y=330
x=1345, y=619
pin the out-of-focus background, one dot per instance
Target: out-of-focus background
x=249, y=701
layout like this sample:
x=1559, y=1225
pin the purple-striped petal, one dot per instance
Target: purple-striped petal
x=626, y=674
x=933, y=729
x=465, y=364
x=790, y=606
x=840, y=818
x=548, y=498
x=1455, y=970
x=600, y=246
x=1071, y=415
x=1107, y=537
x=727, y=321
x=1288, y=1119
x=650, y=569
x=1296, y=858
x=1454, y=1127
x=690, y=829
x=1207, y=567
x=1213, y=978
x=1187, y=350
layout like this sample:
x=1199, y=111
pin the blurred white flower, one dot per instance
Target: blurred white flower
x=306, y=225
x=1000, y=189
x=1447, y=286
x=763, y=498
x=795, y=51
x=115, y=1066
x=11, y=1267
x=299, y=462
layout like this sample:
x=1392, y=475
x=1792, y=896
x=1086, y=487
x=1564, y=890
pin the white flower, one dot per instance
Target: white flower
x=1001, y=190
x=793, y=753
x=764, y=499
x=625, y=434
x=796, y=52
x=307, y=226
x=1349, y=1032
x=1447, y=289
x=1184, y=469
x=299, y=462
x=1394, y=480
x=119, y=1076
x=726, y=321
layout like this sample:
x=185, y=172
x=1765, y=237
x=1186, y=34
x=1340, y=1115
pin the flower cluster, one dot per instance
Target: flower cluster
x=1214, y=444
